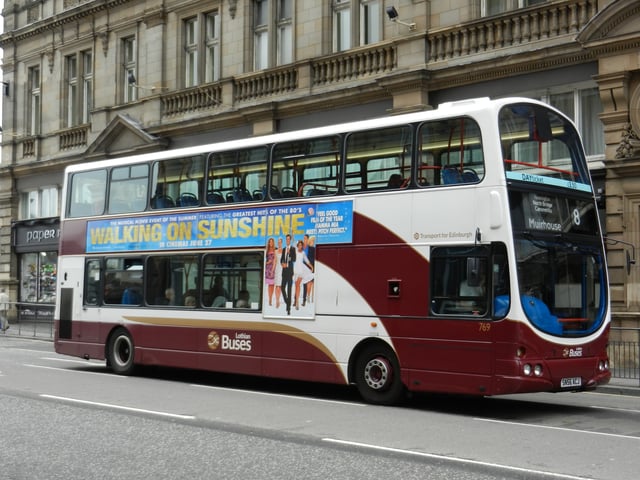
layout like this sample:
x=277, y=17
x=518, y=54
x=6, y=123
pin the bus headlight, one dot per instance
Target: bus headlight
x=537, y=370
x=526, y=369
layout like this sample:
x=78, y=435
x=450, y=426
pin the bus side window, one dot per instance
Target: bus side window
x=87, y=193
x=232, y=280
x=123, y=281
x=128, y=189
x=92, y=282
x=459, y=281
x=236, y=175
x=451, y=152
x=384, y=156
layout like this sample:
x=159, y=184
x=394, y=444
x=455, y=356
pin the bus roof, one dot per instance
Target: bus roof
x=447, y=109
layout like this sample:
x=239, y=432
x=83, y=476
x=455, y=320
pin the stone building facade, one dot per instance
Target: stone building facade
x=85, y=80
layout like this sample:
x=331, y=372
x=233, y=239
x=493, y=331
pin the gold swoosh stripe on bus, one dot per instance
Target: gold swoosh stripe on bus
x=234, y=325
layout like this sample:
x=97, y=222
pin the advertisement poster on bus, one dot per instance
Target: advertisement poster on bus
x=288, y=233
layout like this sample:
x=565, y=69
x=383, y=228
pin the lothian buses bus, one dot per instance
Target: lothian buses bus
x=453, y=250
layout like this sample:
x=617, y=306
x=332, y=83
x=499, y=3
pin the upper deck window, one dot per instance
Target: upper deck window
x=540, y=146
x=128, y=188
x=87, y=193
x=237, y=175
x=450, y=152
x=176, y=182
x=378, y=159
x=307, y=167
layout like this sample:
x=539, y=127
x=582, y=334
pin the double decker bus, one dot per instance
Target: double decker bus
x=453, y=250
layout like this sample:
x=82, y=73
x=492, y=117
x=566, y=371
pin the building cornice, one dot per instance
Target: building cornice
x=53, y=22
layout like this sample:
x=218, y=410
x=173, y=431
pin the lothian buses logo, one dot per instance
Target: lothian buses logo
x=213, y=340
x=241, y=342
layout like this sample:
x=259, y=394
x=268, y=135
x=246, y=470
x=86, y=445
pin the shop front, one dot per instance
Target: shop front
x=35, y=243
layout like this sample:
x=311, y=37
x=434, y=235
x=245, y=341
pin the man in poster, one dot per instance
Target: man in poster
x=287, y=260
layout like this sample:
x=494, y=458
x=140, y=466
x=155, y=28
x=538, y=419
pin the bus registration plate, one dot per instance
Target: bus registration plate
x=569, y=382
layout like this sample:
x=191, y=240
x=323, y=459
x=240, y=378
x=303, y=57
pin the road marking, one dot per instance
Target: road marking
x=119, y=407
x=434, y=456
x=267, y=394
x=617, y=409
x=72, y=371
x=548, y=427
x=70, y=360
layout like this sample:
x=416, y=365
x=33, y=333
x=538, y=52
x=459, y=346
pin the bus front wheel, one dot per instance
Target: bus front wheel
x=378, y=375
x=120, y=353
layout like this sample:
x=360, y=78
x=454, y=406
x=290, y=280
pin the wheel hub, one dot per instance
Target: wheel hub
x=377, y=373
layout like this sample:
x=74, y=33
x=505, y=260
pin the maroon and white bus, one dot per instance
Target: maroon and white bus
x=453, y=250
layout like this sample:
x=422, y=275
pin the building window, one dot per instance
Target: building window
x=285, y=32
x=130, y=93
x=212, y=47
x=34, y=101
x=191, y=52
x=261, y=34
x=341, y=25
x=273, y=40
x=79, y=77
x=202, y=41
x=39, y=203
x=356, y=22
x=496, y=7
x=583, y=106
x=87, y=86
x=370, y=22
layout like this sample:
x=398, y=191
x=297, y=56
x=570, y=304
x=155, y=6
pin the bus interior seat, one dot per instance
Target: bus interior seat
x=274, y=192
x=257, y=195
x=188, y=200
x=162, y=201
x=288, y=192
x=214, y=197
x=454, y=175
x=241, y=195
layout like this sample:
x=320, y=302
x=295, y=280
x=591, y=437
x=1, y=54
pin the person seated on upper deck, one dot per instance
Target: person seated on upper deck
x=395, y=181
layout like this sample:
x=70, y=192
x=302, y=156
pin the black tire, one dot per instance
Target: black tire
x=121, y=352
x=377, y=375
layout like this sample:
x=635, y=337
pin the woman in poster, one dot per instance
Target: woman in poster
x=270, y=269
x=302, y=271
x=278, y=272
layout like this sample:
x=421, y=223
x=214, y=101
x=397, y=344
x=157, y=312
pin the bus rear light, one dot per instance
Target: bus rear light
x=526, y=369
x=537, y=370
x=520, y=352
x=603, y=365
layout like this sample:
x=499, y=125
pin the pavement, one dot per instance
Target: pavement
x=43, y=330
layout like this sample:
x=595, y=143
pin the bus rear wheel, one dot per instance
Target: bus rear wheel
x=120, y=352
x=378, y=375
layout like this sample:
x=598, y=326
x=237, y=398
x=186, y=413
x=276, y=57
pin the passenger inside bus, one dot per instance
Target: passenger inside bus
x=219, y=293
x=395, y=181
x=244, y=300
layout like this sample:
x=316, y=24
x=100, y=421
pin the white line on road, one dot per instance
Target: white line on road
x=72, y=371
x=617, y=409
x=118, y=407
x=267, y=394
x=548, y=427
x=70, y=360
x=453, y=459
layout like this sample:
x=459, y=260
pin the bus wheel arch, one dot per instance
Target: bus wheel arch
x=120, y=352
x=375, y=370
